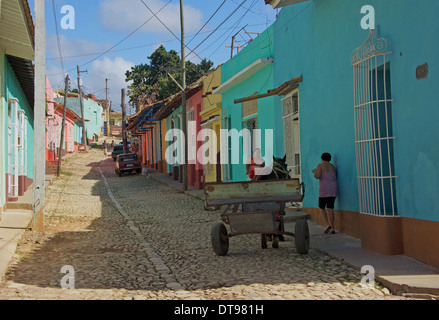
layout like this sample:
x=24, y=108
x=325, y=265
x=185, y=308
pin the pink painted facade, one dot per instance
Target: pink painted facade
x=54, y=116
x=194, y=107
x=50, y=124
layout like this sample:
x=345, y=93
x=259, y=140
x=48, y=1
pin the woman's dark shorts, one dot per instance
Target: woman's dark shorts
x=327, y=203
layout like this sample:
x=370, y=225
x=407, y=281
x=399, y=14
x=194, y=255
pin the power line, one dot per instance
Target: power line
x=140, y=46
x=298, y=14
x=274, y=30
x=129, y=35
x=224, y=21
x=191, y=51
x=216, y=29
x=216, y=11
x=256, y=13
x=233, y=27
x=155, y=15
x=58, y=37
x=163, y=67
x=111, y=51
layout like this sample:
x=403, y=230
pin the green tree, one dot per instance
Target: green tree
x=152, y=79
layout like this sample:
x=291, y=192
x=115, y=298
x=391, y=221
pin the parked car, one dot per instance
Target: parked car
x=117, y=150
x=128, y=162
x=128, y=142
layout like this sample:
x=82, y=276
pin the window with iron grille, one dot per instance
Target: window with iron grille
x=373, y=128
x=290, y=112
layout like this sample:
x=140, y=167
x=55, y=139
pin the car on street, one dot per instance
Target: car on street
x=128, y=142
x=117, y=150
x=127, y=162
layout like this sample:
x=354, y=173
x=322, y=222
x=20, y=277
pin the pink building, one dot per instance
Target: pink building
x=50, y=124
x=194, y=107
x=54, y=116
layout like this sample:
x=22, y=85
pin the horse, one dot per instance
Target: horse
x=279, y=171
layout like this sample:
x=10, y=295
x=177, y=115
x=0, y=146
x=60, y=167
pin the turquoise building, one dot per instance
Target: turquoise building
x=247, y=74
x=358, y=80
x=93, y=118
x=367, y=98
x=16, y=101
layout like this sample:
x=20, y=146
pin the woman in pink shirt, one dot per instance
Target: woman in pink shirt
x=326, y=175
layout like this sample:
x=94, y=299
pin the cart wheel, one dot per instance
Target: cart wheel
x=302, y=237
x=220, y=239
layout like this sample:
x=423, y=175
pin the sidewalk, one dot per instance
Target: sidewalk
x=12, y=226
x=15, y=220
x=402, y=275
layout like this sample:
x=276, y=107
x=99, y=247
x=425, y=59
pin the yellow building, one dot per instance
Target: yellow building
x=211, y=119
x=115, y=124
x=116, y=119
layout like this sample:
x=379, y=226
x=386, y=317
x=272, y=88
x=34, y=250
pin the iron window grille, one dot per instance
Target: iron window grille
x=373, y=128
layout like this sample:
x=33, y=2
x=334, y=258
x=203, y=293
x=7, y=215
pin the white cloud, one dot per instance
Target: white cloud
x=127, y=15
x=113, y=70
x=94, y=80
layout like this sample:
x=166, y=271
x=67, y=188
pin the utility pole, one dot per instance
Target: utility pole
x=108, y=109
x=82, y=108
x=183, y=98
x=124, y=134
x=38, y=194
x=233, y=41
x=61, y=141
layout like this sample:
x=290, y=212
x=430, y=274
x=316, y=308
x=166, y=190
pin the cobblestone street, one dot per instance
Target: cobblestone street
x=133, y=237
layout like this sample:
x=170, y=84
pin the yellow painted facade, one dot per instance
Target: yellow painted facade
x=116, y=118
x=211, y=117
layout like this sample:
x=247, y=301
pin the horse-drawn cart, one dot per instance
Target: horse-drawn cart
x=262, y=210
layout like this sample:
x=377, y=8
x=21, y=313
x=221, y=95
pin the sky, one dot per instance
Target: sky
x=108, y=37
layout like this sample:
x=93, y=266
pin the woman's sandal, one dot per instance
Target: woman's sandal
x=328, y=229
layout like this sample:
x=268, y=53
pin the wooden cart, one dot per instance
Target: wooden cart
x=262, y=210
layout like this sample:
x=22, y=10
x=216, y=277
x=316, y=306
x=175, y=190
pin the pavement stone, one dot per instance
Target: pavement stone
x=136, y=238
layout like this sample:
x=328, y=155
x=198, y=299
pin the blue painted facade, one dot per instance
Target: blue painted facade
x=16, y=101
x=92, y=114
x=16, y=154
x=13, y=90
x=315, y=39
x=268, y=112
